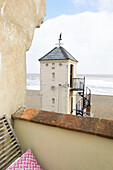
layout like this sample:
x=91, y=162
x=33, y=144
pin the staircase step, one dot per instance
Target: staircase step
x=80, y=93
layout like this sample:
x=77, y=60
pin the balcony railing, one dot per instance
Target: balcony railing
x=78, y=84
x=88, y=97
x=79, y=107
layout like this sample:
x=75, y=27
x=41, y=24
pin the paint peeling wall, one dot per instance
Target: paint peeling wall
x=18, y=19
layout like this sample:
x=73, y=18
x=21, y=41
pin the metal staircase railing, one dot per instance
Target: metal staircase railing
x=78, y=84
x=88, y=97
x=79, y=107
x=85, y=100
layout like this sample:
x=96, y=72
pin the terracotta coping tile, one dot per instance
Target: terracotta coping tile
x=24, y=113
x=48, y=118
x=83, y=124
x=94, y=126
x=105, y=128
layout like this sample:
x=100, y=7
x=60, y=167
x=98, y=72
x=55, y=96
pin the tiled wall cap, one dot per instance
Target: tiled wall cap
x=96, y=126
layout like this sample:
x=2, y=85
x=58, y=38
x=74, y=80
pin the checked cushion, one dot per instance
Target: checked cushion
x=26, y=162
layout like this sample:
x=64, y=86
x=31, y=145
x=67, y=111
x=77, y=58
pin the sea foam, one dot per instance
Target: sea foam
x=98, y=84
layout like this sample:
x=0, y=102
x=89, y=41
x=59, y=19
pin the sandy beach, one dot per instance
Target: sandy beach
x=33, y=99
x=102, y=105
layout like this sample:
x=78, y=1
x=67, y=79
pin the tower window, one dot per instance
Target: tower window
x=53, y=87
x=53, y=65
x=71, y=75
x=53, y=76
x=46, y=64
x=53, y=100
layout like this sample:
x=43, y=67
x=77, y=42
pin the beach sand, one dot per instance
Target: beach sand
x=102, y=106
x=33, y=99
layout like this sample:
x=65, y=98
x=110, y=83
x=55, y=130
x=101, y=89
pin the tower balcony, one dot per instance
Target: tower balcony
x=77, y=84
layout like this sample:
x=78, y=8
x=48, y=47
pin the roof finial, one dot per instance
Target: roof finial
x=60, y=39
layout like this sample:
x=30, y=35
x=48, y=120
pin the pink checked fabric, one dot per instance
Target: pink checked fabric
x=26, y=162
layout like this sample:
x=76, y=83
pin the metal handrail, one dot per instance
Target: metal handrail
x=88, y=95
x=79, y=107
x=78, y=83
x=85, y=101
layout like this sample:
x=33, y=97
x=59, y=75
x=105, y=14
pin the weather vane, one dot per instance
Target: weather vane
x=60, y=39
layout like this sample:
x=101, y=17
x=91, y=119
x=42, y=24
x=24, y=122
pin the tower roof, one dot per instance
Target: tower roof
x=58, y=53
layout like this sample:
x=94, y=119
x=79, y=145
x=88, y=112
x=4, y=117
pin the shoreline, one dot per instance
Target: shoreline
x=102, y=105
x=101, y=94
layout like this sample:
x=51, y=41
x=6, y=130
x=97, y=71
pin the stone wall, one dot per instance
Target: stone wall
x=18, y=19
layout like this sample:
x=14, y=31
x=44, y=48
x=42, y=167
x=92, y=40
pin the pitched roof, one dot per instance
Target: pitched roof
x=58, y=53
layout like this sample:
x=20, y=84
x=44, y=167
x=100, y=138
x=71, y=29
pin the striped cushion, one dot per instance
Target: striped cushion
x=26, y=162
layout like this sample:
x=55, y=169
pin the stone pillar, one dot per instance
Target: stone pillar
x=18, y=20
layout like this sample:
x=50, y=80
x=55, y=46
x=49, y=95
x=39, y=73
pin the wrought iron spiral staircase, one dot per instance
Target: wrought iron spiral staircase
x=84, y=93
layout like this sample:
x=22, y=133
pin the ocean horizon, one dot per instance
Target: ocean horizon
x=100, y=84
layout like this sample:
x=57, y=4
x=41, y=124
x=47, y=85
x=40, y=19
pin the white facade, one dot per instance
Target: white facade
x=55, y=94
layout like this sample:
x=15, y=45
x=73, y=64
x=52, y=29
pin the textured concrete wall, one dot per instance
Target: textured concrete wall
x=59, y=149
x=18, y=19
x=49, y=85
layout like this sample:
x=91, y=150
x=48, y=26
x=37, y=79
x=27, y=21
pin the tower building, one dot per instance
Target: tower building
x=60, y=89
x=57, y=70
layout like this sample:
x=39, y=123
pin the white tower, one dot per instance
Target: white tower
x=57, y=70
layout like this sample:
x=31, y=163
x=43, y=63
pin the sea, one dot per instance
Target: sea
x=98, y=84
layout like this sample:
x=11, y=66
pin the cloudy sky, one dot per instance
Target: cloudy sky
x=87, y=33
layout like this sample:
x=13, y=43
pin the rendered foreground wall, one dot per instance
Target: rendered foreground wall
x=71, y=148
x=18, y=19
x=62, y=149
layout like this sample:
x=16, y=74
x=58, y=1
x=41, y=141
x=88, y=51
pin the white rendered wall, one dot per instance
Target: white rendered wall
x=55, y=97
x=18, y=20
x=60, y=149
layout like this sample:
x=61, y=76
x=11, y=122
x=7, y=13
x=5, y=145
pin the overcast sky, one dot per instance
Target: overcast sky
x=87, y=33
